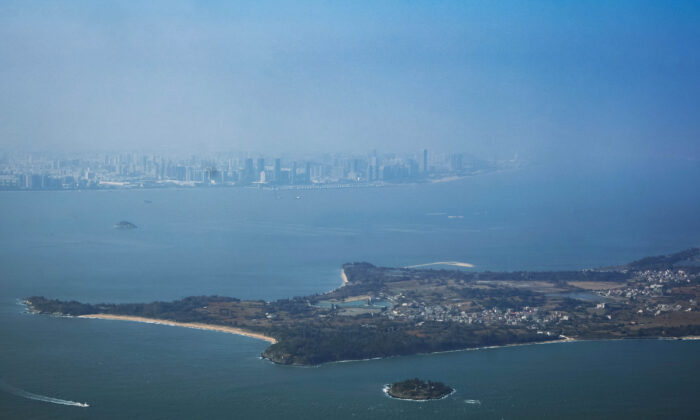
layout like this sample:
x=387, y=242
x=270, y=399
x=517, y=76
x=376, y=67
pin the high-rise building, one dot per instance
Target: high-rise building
x=456, y=162
x=293, y=175
x=36, y=182
x=413, y=169
x=278, y=171
x=374, y=165
x=425, y=161
x=261, y=164
x=181, y=173
x=248, y=172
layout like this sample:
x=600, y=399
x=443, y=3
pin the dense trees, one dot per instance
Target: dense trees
x=314, y=344
x=183, y=310
x=663, y=262
x=417, y=389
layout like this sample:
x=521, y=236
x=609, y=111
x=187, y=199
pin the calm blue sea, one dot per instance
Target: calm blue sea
x=265, y=245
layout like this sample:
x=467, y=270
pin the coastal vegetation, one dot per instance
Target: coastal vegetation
x=382, y=312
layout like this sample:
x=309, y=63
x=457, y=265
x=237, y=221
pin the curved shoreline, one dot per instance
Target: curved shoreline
x=385, y=390
x=450, y=263
x=194, y=325
x=272, y=340
x=502, y=346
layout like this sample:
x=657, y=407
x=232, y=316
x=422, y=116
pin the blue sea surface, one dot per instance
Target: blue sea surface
x=257, y=244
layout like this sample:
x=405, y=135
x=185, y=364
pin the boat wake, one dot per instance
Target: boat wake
x=31, y=396
x=477, y=402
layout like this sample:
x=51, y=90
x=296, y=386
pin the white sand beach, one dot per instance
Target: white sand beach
x=196, y=325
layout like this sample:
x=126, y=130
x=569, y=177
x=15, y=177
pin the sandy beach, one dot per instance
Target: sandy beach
x=196, y=325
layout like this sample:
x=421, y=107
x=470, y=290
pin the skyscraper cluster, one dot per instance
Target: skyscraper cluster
x=137, y=170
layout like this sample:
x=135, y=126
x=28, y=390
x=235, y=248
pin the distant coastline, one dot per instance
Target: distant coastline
x=146, y=183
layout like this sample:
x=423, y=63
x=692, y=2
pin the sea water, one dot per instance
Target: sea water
x=258, y=244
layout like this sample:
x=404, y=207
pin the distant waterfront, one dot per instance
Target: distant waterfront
x=89, y=171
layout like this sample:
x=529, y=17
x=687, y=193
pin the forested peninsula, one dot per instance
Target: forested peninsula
x=381, y=311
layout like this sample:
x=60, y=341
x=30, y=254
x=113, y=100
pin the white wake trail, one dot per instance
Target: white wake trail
x=30, y=395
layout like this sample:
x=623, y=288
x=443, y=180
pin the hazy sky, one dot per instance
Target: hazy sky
x=489, y=77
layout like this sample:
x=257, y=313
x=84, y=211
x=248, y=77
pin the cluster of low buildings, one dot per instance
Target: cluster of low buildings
x=649, y=283
x=633, y=292
x=530, y=317
x=645, y=284
x=660, y=308
x=664, y=276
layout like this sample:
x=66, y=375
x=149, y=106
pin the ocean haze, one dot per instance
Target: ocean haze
x=250, y=149
x=542, y=79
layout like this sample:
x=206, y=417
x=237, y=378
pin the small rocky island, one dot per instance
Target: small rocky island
x=418, y=390
x=124, y=225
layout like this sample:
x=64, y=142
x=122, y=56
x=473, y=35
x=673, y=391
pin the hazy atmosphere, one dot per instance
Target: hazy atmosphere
x=539, y=79
x=333, y=210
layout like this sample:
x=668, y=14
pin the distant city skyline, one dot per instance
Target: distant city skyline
x=46, y=171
